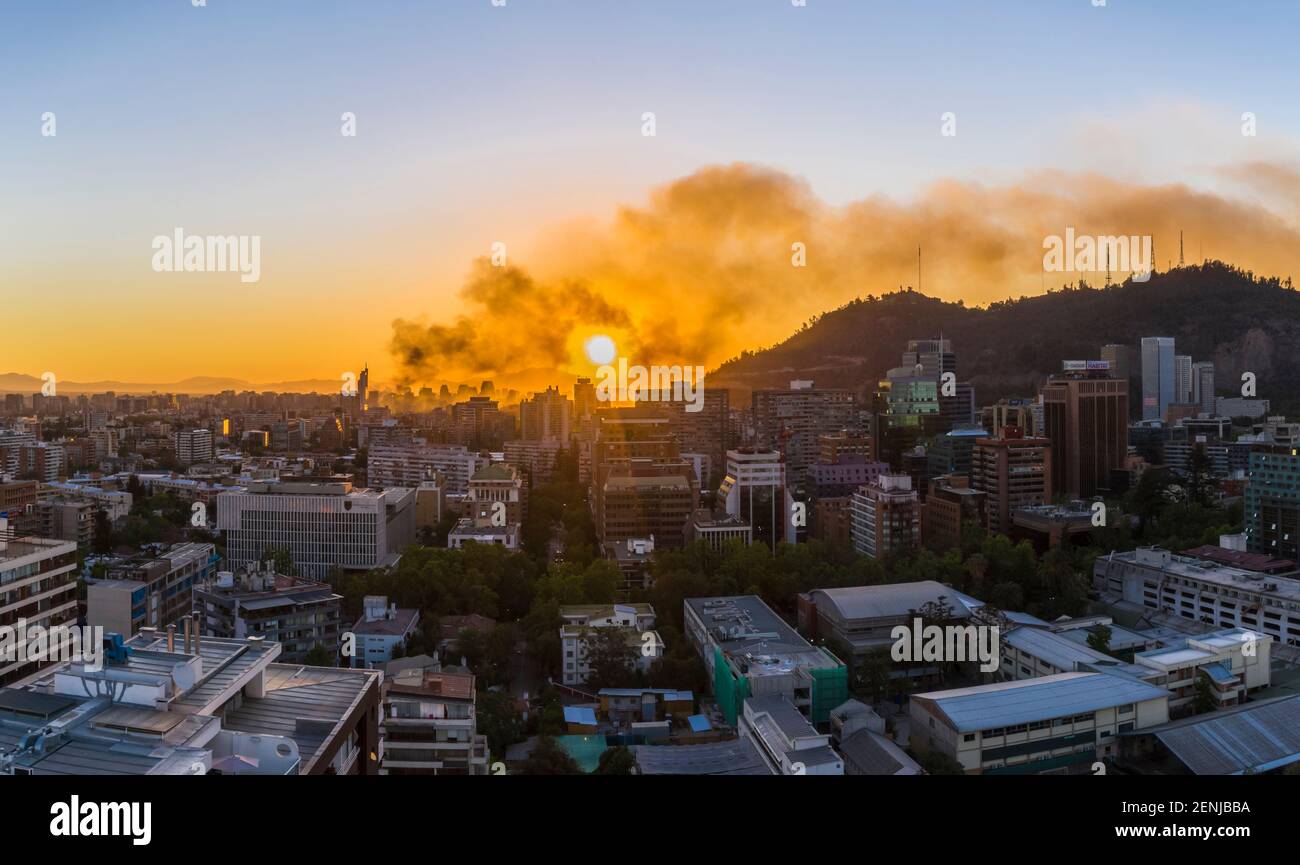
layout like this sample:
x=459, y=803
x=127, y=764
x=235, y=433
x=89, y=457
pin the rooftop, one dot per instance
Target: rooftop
x=1004, y=704
x=1209, y=572
x=890, y=601
x=1255, y=737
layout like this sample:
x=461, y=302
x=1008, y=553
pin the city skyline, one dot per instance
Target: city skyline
x=474, y=128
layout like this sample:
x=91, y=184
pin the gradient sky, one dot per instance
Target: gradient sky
x=478, y=124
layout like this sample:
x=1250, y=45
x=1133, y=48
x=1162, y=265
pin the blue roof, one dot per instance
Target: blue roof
x=699, y=723
x=1220, y=673
x=580, y=715
x=1004, y=704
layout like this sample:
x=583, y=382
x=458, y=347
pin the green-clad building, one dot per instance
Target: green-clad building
x=750, y=651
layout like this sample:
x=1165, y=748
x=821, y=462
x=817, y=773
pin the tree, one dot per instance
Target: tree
x=1099, y=639
x=1203, y=694
x=498, y=721
x=611, y=658
x=281, y=560
x=938, y=763
x=616, y=761
x=320, y=656
x=548, y=758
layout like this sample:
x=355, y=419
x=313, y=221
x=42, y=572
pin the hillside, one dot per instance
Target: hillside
x=1213, y=311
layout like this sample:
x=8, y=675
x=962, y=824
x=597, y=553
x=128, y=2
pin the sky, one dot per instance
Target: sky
x=522, y=125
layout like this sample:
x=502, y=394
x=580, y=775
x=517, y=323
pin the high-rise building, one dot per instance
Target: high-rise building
x=950, y=505
x=1158, y=376
x=1014, y=471
x=935, y=356
x=1183, y=378
x=39, y=579
x=1272, y=507
x=547, y=415
x=640, y=484
x=1120, y=359
x=193, y=446
x=1203, y=386
x=791, y=421
x=886, y=517
x=1085, y=416
x=755, y=490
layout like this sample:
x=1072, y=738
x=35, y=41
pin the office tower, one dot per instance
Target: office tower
x=951, y=452
x=886, y=517
x=1085, y=416
x=640, y=485
x=193, y=446
x=584, y=398
x=1120, y=359
x=958, y=409
x=1203, y=386
x=791, y=420
x=497, y=493
x=479, y=422
x=935, y=357
x=40, y=584
x=1182, y=379
x=1015, y=472
x=323, y=524
x=1157, y=376
x=1272, y=507
x=547, y=415
x=707, y=431
x=754, y=490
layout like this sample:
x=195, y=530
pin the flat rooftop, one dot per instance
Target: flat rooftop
x=1209, y=572
x=746, y=628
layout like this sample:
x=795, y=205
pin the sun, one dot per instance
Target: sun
x=600, y=349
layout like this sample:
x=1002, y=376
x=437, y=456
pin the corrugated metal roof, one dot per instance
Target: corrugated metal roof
x=1230, y=742
x=1005, y=704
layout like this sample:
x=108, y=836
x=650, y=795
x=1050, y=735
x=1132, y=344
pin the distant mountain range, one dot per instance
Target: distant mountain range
x=13, y=382
x=1214, y=312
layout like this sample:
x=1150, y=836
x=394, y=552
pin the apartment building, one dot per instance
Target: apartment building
x=144, y=591
x=1014, y=472
x=885, y=517
x=38, y=585
x=297, y=613
x=429, y=724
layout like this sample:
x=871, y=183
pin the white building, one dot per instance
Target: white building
x=581, y=621
x=1203, y=591
x=405, y=465
x=324, y=525
x=785, y=740
x=1051, y=724
x=193, y=446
